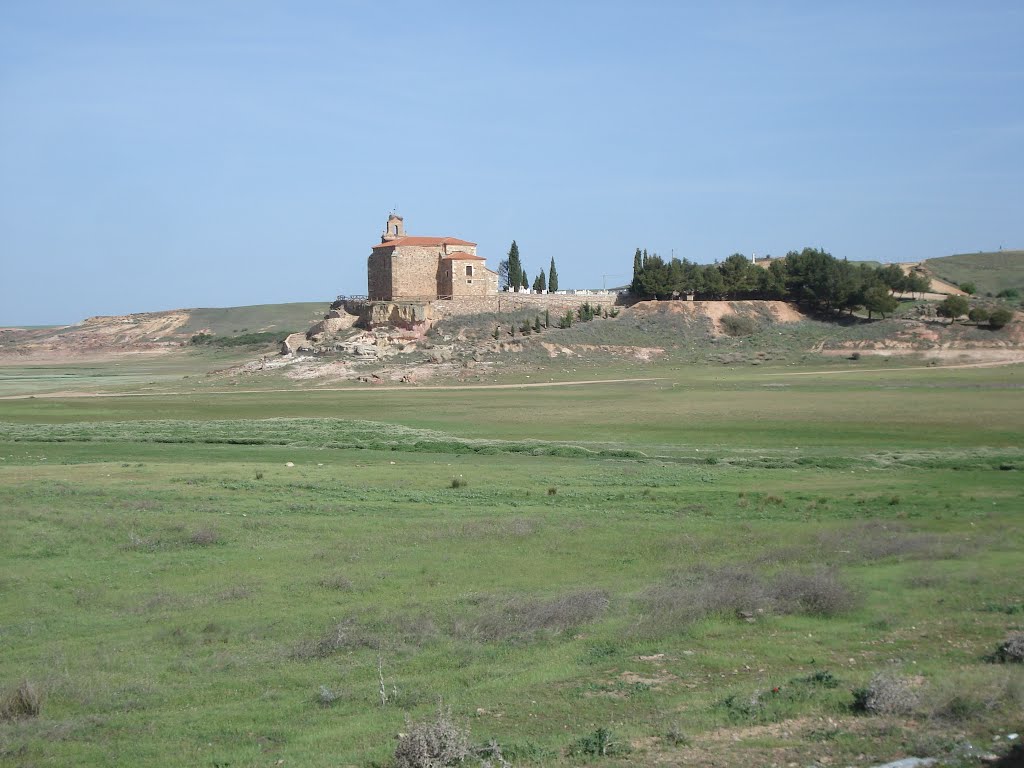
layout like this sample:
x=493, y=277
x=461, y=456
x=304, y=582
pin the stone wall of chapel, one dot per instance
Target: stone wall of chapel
x=416, y=272
x=483, y=282
x=378, y=275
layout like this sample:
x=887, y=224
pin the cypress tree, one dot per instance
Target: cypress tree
x=515, y=267
x=552, y=277
x=540, y=284
x=523, y=279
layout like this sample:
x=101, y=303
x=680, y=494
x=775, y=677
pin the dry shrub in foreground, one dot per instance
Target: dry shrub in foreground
x=387, y=631
x=888, y=694
x=21, y=703
x=432, y=743
x=518, y=618
x=687, y=598
x=818, y=592
x=741, y=591
x=343, y=636
x=204, y=537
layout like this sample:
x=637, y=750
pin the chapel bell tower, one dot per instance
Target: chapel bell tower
x=394, y=229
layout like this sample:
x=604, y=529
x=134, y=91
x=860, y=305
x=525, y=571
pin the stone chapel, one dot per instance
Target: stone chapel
x=415, y=268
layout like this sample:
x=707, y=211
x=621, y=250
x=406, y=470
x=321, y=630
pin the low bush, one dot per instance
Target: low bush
x=1011, y=650
x=888, y=694
x=675, y=736
x=458, y=482
x=518, y=619
x=812, y=593
x=343, y=636
x=21, y=703
x=432, y=743
x=491, y=755
x=326, y=697
x=204, y=537
x=739, y=325
x=999, y=318
x=739, y=591
x=600, y=743
x=687, y=598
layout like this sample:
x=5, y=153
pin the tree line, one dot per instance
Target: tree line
x=811, y=277
x=512, y=274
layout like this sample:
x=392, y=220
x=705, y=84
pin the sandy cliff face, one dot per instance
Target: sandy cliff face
x=150, y=332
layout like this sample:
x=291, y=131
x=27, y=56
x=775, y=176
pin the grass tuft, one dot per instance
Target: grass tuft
x=204, y=537
x=21, y=703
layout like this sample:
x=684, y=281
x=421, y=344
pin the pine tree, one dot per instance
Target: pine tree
x=515, y=267
x=552, y=277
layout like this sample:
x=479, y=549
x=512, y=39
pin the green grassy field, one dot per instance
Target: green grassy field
x=991, y=272
x=232, y=321
x=706, y=567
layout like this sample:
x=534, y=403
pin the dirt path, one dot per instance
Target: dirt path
x=986, y=364
x=371, y=388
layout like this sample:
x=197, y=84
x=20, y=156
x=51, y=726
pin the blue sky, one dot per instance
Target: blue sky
x=156, y=155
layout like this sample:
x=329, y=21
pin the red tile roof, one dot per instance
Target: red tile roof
x=462, y=256
x=412, y=240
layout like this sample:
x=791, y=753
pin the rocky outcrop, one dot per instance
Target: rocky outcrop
x=410, y=316
x=295, y=343
x=334, y=322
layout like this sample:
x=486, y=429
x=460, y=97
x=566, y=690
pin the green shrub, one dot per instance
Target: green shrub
x=600, y=743
x=999, y=317
x=739, y=325
x=978, y=315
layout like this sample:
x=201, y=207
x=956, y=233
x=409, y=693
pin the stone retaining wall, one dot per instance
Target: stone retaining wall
x=515, y=302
